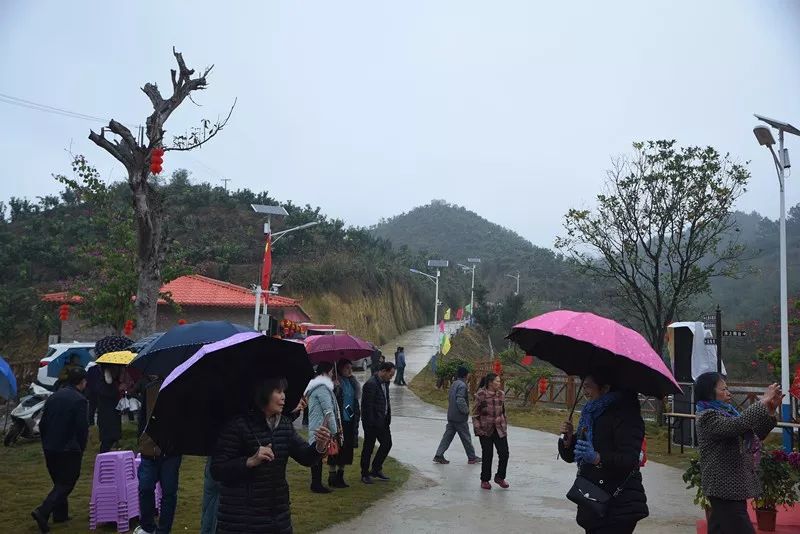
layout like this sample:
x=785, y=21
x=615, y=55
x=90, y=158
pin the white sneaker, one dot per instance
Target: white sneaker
x=140, y=530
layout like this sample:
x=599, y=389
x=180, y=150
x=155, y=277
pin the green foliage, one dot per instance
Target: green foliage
x=446, y=370
x=692, y=479
x=522, y=380
x=658, y=231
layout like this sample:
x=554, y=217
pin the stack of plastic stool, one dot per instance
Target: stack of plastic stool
x=115, y=490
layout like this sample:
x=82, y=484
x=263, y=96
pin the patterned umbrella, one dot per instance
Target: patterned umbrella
x=111, y=344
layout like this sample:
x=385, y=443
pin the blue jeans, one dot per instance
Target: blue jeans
x=208, y=520
x=164, y=469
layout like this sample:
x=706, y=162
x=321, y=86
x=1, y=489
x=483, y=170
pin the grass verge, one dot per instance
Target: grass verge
x=24, y=483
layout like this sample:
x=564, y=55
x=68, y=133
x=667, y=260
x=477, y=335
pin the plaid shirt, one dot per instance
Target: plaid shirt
x=490, y=413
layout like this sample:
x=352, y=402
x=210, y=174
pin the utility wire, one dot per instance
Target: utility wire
x=20, y=102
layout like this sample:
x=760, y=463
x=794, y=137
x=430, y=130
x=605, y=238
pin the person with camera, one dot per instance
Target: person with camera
x=730, y=442
x=323, y=410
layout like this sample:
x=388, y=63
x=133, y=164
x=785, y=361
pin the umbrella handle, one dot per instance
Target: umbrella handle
x=575, y=403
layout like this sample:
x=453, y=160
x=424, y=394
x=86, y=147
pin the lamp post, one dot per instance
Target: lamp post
x=781, y=159
x=515, y=277
x=474, y=262
x=435, y=280
x=270, y=211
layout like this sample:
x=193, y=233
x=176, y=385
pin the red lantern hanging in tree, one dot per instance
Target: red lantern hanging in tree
x=128, y=328
x=542, y=386
x=63, y=312
x=181, y=321
x=156, y=160
x=527, y=360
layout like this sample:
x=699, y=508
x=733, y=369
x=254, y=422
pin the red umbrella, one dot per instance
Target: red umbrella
x=332, y=348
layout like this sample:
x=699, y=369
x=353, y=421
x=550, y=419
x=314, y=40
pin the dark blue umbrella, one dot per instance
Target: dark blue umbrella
x=217, y=383
x=168, y=351
x=8, y=382
x=83, y=355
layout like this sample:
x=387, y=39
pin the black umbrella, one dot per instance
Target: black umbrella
x=175, y=346
x=215, y=384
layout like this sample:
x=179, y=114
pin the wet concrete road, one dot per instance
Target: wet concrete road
x=448, y=498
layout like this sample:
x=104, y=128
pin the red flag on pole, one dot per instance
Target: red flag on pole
x=460, y=314
x=266, y=268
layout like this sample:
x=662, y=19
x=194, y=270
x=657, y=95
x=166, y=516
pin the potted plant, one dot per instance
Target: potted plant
x=779, y=479
x=692, y=478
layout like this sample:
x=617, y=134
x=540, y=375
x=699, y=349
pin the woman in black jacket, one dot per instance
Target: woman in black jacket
x=607, y=448
x=250, y=465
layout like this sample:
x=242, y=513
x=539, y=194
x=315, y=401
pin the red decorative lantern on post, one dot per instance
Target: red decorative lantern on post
x=128, y=328
x=63, y=312
x=542, y=386
x=156, y=160
x=498, y=367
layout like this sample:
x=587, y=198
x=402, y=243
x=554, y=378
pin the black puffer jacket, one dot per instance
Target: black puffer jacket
x=617, y=435
x=256, y=500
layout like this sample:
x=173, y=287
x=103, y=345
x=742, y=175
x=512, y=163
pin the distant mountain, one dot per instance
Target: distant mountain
x=455, y=233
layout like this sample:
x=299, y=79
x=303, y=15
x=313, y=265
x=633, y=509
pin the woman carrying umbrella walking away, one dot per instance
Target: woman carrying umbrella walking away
x=348, y=397
x=606, y=448
x=491, y=427
x=250, y=465
x=729, y=442
x=323, y=410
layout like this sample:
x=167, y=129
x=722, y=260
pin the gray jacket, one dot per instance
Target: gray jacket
x=458, y=402
x=321, y=402
x=727, y=468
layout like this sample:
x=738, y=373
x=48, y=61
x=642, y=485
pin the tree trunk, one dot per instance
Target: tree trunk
x=150, y=252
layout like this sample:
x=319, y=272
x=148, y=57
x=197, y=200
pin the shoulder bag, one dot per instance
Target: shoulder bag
x=586, y=493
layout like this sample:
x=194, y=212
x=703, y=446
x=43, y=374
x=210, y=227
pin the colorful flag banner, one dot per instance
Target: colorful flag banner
x=446, y=345
x=441, y=326
x=447, y=314
x=460, y=314
x=468, y=309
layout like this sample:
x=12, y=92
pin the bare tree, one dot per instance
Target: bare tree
x=147, y=203
x=661, y=230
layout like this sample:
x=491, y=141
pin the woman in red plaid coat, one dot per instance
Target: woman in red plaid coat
x=491, y=427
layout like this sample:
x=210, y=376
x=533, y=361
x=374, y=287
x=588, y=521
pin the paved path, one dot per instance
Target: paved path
x=447, y=498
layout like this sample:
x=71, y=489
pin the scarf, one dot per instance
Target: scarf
x=592, y=410
x=751, y=442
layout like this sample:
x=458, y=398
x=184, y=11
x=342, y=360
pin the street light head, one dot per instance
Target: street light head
x=779, y=125
x=275, y=211
x=764, y=135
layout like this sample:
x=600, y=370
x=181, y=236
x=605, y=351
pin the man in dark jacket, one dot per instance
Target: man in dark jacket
x=64, y=429
x=457, y=417
x=376, y=415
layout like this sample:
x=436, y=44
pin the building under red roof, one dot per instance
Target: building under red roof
x=199, y=298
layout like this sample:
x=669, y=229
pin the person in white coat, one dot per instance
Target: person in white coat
x=322, y=410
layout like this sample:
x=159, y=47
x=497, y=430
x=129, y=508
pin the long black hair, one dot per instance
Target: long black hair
x=487, y=379
x=323, y=368
x=705, y=387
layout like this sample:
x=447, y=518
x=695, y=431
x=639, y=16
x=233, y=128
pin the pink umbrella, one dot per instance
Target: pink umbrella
x=332, y=348
x=581, y=343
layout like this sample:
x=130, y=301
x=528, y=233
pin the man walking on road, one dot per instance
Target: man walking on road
x=376, y=414
x=64, y=429
x=457, y=420
x=400, y=364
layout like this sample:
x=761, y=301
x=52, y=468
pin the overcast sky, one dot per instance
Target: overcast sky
x=367, y=109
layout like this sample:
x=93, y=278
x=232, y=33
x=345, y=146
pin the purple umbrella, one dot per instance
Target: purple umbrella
x=582, y=343
x=215, y=384
x=332, y=348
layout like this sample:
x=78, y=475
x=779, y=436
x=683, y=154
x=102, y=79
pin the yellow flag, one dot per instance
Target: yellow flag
x=446, y=345
x=447, y=314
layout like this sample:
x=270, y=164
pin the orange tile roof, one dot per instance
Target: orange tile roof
x=198, y=290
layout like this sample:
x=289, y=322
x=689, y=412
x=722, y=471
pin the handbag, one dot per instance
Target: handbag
x=586, y=493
